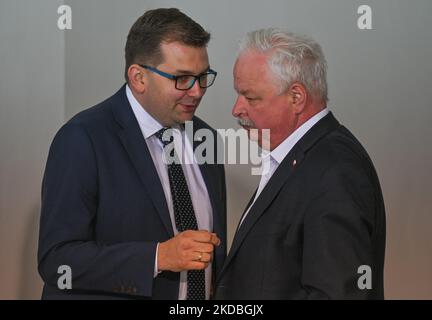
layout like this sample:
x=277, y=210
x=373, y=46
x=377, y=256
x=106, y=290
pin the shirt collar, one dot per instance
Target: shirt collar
x=280, y=152
x=149, y=125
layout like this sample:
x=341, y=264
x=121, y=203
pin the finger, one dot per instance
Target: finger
x=196, y=265
x=205, y=236
x=206, y=257
x=202, y=256
x=198, y=256
x=215, y=239
x=200, y=235
x=202, y=247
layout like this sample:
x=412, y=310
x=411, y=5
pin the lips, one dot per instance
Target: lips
x=188, y=107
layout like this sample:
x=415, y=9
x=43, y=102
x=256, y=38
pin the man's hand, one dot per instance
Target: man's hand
x=189, y=250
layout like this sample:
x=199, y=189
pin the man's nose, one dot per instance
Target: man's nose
x=238, y=108
x=196, y=90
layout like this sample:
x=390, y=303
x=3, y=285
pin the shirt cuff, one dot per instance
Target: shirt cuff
x=156, y=271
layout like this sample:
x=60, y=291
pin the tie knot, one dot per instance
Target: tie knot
x=165, y=138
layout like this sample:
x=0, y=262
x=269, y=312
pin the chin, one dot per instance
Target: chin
x=187, y=117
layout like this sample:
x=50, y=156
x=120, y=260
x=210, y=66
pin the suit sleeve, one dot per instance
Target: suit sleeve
x=68, y=216
x=338, y=230
x=223, y=236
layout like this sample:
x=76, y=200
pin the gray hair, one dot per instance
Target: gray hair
x=292, y=58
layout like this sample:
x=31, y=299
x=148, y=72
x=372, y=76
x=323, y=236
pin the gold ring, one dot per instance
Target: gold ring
x=200, y=256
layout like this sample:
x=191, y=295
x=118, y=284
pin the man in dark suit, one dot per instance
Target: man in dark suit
x=126, y=222
x=315, y=227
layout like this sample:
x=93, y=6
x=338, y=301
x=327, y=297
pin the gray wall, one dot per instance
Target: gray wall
x=31, y=111
x=379, y=81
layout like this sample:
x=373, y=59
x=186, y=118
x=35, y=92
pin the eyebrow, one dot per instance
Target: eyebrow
x=188, y=72
x=244, y=92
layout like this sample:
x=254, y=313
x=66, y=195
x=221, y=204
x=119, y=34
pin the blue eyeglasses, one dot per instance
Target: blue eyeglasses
x=187, y=81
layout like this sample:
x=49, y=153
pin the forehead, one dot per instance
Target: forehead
x=180, y=57
x=251, y=71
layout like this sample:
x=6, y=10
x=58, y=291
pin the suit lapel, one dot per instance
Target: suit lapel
x=209, y=173
x=136, y=147
x=246, y=209
x=270, y=191
x=279, y=178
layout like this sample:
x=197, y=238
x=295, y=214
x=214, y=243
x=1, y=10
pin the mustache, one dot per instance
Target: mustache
x=246, y=122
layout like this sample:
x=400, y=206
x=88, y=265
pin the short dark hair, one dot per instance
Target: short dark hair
x=157, y=26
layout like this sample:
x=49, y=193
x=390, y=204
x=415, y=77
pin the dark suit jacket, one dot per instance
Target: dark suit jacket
x=319, y=218
x=104, y=209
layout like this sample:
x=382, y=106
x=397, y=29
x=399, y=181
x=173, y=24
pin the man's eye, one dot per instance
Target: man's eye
x=184, y=79
x=251, y=98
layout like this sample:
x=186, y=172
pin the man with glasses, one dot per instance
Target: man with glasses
x=128, y=223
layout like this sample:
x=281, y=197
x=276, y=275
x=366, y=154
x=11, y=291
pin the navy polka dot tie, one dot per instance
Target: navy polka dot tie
x=184, y=215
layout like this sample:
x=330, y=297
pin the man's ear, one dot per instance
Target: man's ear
x=137, y=78
x=298, y=96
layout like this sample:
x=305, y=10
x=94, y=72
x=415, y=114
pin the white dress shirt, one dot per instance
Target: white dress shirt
x=272, y=160
x=197, y=188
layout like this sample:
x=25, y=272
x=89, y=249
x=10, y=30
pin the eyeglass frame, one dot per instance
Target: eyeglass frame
x=174, y=77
